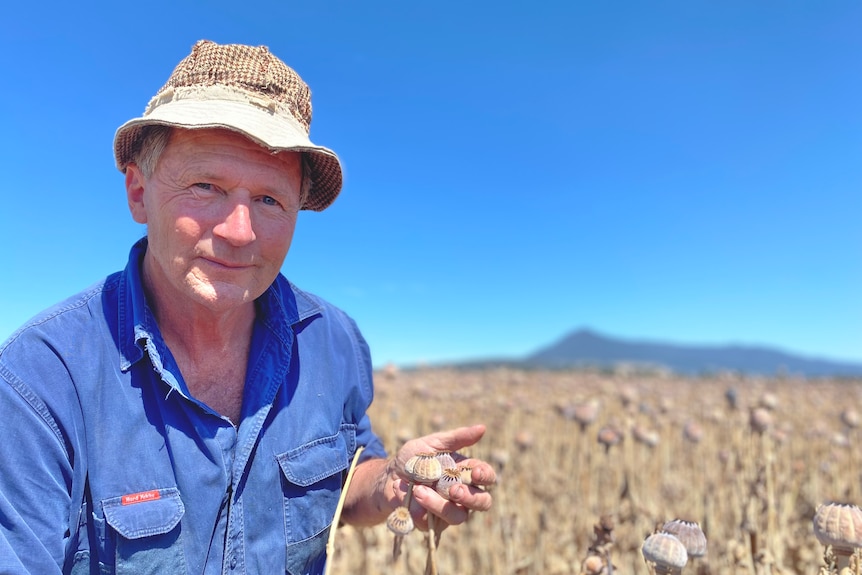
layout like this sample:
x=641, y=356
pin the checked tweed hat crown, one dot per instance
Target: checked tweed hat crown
x=245, y=89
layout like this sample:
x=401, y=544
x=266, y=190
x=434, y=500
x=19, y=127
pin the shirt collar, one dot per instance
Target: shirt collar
x=283, y=306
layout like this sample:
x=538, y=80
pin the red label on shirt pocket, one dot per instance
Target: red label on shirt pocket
x=131, y=498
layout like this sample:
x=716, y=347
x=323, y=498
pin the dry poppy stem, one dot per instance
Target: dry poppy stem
x=409, y=494
x=396, y=547
x=330, y=542
x=431, y=562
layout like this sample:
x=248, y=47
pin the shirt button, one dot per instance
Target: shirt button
x=233, y=562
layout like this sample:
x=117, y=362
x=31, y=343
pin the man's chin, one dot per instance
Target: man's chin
x=220, y=296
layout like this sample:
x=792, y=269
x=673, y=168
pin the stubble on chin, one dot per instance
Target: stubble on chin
x=211, y=291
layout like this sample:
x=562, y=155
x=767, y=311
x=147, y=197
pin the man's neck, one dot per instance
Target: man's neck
x=210, y=349
x=196, y=330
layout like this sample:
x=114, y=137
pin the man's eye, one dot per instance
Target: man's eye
x=203, y=186
x=270, y=201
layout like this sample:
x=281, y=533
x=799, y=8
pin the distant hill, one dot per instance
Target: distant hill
x=588, y=348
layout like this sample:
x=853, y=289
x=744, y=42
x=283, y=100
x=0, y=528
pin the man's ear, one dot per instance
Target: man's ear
x=135, y=193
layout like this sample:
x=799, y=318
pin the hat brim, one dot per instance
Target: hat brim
x=275, y=132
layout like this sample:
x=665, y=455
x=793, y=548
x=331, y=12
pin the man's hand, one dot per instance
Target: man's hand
x=462, y=498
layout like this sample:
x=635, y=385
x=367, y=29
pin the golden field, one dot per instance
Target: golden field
x=748, y=458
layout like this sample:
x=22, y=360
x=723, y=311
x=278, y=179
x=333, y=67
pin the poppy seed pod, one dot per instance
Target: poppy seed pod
x=648, y=437
x=850, y=418
x=466, y=474
x=585, y=413
x=666, y=552
x=449, y=478
x=446, y=460
x=840, y=526
x=424, y=468
x=690, y=534
x=760, y=420
x=400, y=521
x=610, y=435
x=593, y=565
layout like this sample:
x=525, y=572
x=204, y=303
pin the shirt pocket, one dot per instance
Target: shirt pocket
x=311, y=481
x=142, y=533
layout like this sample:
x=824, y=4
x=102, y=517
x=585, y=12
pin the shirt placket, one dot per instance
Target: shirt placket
x=233, y=554
x=246, y=437
x=234, y=561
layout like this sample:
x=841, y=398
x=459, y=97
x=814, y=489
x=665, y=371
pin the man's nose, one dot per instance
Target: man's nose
x=236, y=227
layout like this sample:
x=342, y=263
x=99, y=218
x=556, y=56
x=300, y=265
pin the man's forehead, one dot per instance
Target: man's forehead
x=196, y=142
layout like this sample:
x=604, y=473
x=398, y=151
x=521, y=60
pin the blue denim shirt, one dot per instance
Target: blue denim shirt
x=110, y=466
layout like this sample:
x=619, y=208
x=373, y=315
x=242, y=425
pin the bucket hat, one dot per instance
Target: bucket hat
x=245, y=89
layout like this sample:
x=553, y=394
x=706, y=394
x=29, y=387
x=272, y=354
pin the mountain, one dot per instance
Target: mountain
x=588, y=348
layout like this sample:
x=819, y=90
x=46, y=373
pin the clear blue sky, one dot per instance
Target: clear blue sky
x=685, y=171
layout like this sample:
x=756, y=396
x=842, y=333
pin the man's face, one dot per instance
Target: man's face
x=220, y=213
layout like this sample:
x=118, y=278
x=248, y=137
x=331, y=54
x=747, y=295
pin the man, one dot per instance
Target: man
x=196, y=412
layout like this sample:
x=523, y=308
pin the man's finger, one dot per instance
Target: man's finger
x=455, y=439
x=481, y=473
x=470, y=497
x=431, y=501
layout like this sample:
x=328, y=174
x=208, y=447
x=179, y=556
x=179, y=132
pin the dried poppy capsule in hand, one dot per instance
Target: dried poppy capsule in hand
x=424, y=468
x=449, y=478
x=399, y=521
x=446, y=460
x=466, y=474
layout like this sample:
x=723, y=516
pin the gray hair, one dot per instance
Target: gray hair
x=155, y=137
x=151, y=143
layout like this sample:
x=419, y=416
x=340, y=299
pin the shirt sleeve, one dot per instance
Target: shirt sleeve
x=365, y=436
x=369, y=440
x=35, y=483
